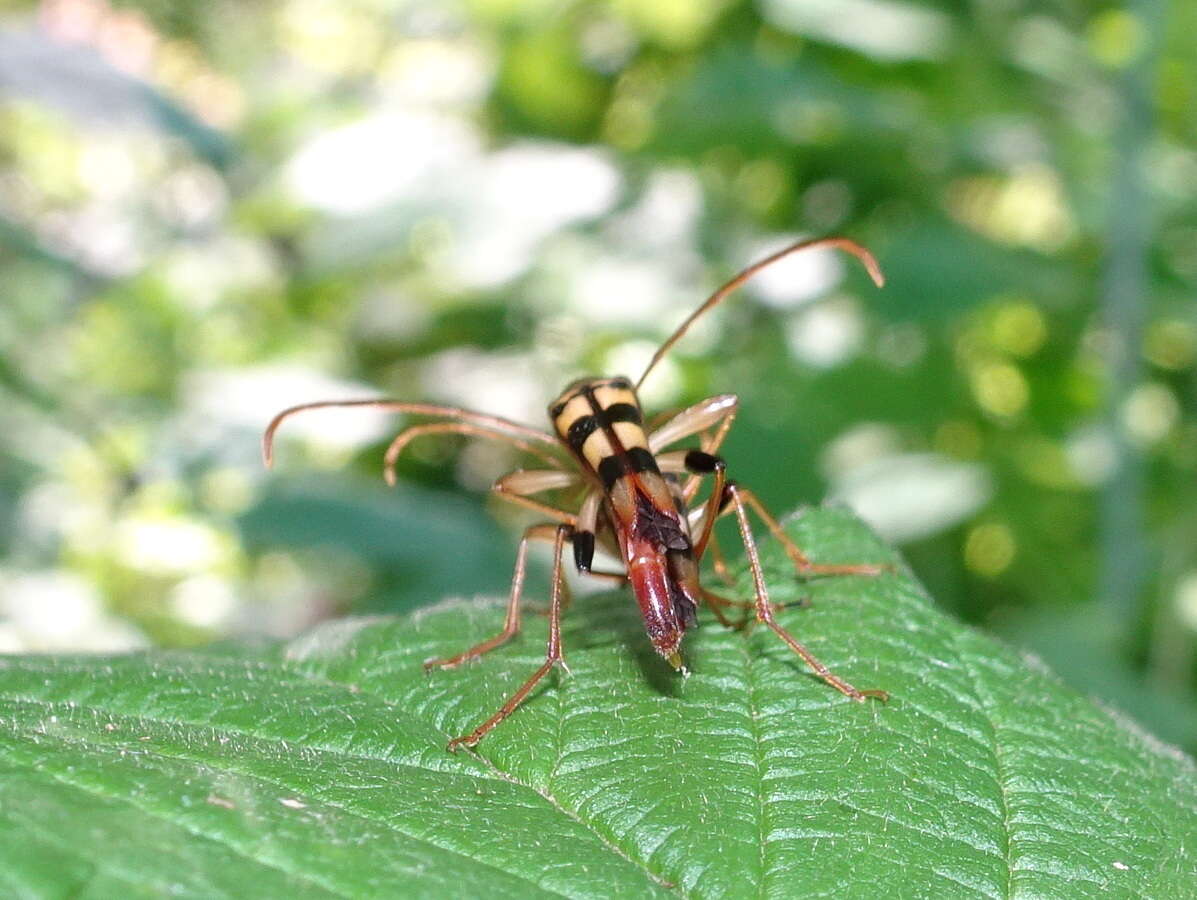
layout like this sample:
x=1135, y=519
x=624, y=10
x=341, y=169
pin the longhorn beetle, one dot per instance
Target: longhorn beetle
x=634, y=504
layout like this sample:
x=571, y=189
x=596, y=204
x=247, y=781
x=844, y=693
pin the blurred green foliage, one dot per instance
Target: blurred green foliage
x=209, y=211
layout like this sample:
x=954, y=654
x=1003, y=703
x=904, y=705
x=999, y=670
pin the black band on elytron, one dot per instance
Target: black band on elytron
x=633, y=460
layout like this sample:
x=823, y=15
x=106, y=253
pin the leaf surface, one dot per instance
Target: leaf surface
x=318, y=768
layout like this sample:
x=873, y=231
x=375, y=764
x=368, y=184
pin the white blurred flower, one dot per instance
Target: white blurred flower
x=883, y=29
x=200, y=274
x=498, y=207
x=162, y=545
x=826, y=334
x=518, y=197
x=1185, y=599
x=622, y=290
x=910, y=496
x=10, y=639
x=859, y=446
x=630, y=358
x=51, y=611
x=795, y=279
x=216, y=401
x=437, y=72
x=206, y=601
x=1091, y=454
x=665, y=215
x=1150, y=412
x=502, y=384
x=376, y=160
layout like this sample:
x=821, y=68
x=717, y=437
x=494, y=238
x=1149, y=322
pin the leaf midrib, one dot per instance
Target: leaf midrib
x=985, y=704
x=758, y=758
x=555, y=802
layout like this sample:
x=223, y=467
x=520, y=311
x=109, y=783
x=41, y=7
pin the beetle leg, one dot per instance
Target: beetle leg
x=695, y=420
x=718, y=412
x=701, y=463
x=583, y=538
x=764, y=609
x=801, y=561
x=553, y=654
x=718, y=604
x=513, y=488
x=511, y=624
x=718, y=562
x=701, y=520
x=535, y=481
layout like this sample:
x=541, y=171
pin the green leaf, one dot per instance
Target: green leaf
x=319, y=767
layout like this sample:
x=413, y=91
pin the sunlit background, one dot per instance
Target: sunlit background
x=212, y=210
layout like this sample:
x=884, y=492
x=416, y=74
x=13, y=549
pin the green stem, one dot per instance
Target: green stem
x=1123, y=303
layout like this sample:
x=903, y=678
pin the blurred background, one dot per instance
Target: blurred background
x=212, y=210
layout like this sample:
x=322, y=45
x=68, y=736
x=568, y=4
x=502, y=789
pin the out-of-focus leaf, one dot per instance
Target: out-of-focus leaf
x=934, y=271
x=736, y=99
x=439, y=543
x=320, y=769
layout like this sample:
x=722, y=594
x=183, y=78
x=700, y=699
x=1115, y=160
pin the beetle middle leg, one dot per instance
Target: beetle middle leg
x=515, y=487
x=553, y=654
x=718, y=603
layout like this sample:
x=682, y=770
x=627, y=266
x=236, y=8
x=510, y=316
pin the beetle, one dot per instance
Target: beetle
x=635, y=504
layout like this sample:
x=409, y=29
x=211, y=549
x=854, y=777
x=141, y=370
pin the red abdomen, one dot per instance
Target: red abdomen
x=665, y=583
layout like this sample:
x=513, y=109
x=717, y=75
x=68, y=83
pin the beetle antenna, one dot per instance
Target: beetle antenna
x=847, y=245
x=456, y=413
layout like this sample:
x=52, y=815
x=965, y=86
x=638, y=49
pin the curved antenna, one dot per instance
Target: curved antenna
x=841, y=243
x=407, y=435
x=420, y=409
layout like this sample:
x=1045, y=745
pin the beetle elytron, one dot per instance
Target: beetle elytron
x=635, y=506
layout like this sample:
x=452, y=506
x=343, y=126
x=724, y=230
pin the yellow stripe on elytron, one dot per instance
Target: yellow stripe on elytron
x=630, y=434
x=597, y=448
x=576, y=408
x=609, y=396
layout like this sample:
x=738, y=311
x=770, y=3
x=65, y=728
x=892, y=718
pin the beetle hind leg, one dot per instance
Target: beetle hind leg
x=553, y=654
x=764, y=609
x=802, y=563
x=511, y=624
